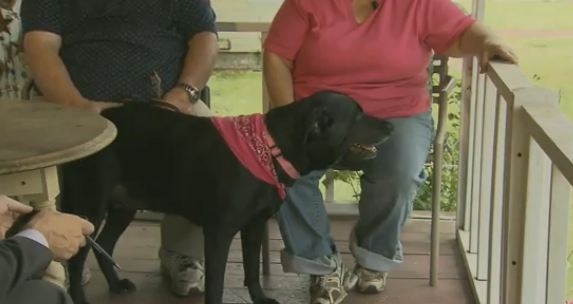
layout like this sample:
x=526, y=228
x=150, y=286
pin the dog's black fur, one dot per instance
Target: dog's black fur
x=174, y=163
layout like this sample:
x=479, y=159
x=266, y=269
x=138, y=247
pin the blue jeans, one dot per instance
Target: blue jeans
x=389, y=185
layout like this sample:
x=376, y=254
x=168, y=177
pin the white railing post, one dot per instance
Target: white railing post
x=486, y=158
x=500, y=125
x=514, y=198
x=471, y=147
x=557, y=244
x=476, y=164
x=464, y=144
x=535, y=226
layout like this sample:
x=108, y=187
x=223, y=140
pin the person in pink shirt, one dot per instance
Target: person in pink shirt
x=378, y=52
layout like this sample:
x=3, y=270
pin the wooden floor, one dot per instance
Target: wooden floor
x=137, y=254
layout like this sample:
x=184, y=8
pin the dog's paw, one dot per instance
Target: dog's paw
x=266, y=301
x=124, y=286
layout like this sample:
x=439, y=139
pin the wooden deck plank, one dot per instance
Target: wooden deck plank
x=137, y=254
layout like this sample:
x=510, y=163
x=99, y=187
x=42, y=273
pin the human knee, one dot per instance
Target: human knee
x=402, y=180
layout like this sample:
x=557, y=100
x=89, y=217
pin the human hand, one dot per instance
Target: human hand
x=179, y=98
x=65, y=233
x=10, y=210
x=494, y=48
x=99, y=106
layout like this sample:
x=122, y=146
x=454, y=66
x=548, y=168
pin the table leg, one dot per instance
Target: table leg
x=39, y=188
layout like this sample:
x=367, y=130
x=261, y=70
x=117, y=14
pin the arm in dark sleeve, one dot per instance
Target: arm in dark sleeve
x=41, y=15
x=21, y=259
x=195, y=16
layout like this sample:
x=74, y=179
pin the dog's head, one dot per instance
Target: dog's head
x=331, y=131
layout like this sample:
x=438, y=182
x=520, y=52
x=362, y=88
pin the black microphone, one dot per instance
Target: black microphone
x=374, y=4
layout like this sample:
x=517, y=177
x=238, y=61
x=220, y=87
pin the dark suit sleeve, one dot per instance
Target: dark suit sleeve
x=21, y=259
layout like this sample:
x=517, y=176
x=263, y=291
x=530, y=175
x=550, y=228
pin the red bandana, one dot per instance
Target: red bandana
x=248, y=138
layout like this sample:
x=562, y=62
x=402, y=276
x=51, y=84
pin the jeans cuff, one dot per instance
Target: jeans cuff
x=318, y=266
x=371, y=260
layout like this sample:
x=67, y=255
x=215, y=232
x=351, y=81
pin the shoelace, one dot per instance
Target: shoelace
x=186, y=262
x=371, y=275
x=329, y=278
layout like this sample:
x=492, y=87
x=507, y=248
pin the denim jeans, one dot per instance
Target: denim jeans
x=389, y=185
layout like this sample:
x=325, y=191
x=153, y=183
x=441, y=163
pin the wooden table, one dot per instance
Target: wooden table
x=35, y=137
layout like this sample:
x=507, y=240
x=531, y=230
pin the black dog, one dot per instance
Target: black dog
x=174, y=163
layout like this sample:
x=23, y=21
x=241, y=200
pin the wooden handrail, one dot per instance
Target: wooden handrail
x=507, y=78
x=553, y=132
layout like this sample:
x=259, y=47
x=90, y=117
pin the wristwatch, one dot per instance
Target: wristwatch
x=191, y=91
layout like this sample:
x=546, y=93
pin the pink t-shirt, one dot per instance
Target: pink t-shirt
x=381, y=62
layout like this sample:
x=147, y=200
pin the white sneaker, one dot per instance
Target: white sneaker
x=370, y=281
x=185, y=273
x=332, y=288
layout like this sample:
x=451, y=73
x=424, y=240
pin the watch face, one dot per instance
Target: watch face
x=191, y=91
x=194, y=94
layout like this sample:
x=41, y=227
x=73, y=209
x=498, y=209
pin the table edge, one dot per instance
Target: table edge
x=85, y=149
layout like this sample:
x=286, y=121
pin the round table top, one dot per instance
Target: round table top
x=37, y=134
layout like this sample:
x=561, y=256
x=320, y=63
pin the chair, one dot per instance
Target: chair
x=440, y=88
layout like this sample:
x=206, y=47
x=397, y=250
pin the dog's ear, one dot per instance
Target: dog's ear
x=319, y=120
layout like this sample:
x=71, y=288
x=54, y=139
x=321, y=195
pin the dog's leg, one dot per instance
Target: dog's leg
x=217, y=244
x=86, y=187
x=251, y=238
x=117, y=221
x=76, y=267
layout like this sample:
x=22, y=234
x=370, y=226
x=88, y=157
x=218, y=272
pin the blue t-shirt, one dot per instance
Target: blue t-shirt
x=113, y=48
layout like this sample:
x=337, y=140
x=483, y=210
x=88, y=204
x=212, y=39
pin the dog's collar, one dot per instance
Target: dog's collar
x=276, y=152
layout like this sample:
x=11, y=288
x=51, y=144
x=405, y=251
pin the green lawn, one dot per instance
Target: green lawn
x=542, y=35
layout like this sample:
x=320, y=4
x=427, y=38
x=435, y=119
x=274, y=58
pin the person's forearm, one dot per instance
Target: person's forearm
x=199, y=60
x=277, y=72
x=49, y=72
x=471, y=41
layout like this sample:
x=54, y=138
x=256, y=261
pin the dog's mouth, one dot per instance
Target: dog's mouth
x=361, y=151
x=363, y=148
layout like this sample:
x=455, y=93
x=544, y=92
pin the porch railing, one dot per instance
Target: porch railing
x=516, y=172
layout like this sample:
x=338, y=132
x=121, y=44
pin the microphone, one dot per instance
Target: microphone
x=374, y=4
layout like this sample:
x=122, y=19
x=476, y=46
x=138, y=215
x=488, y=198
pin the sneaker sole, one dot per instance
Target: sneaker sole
x=339, y=301
x=370, y=290
x=193, y=289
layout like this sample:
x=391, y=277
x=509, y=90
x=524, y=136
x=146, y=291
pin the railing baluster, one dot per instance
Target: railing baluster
x=476, y=166
x=514, y=198
x=487, y=151
x=463, y=167
x=536, y=225
x=471, y=146
x=557, y=244
x=500, y=124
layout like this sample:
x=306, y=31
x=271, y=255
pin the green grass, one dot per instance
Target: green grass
x=537, y=15
x=549, y=61
x=236, y=92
